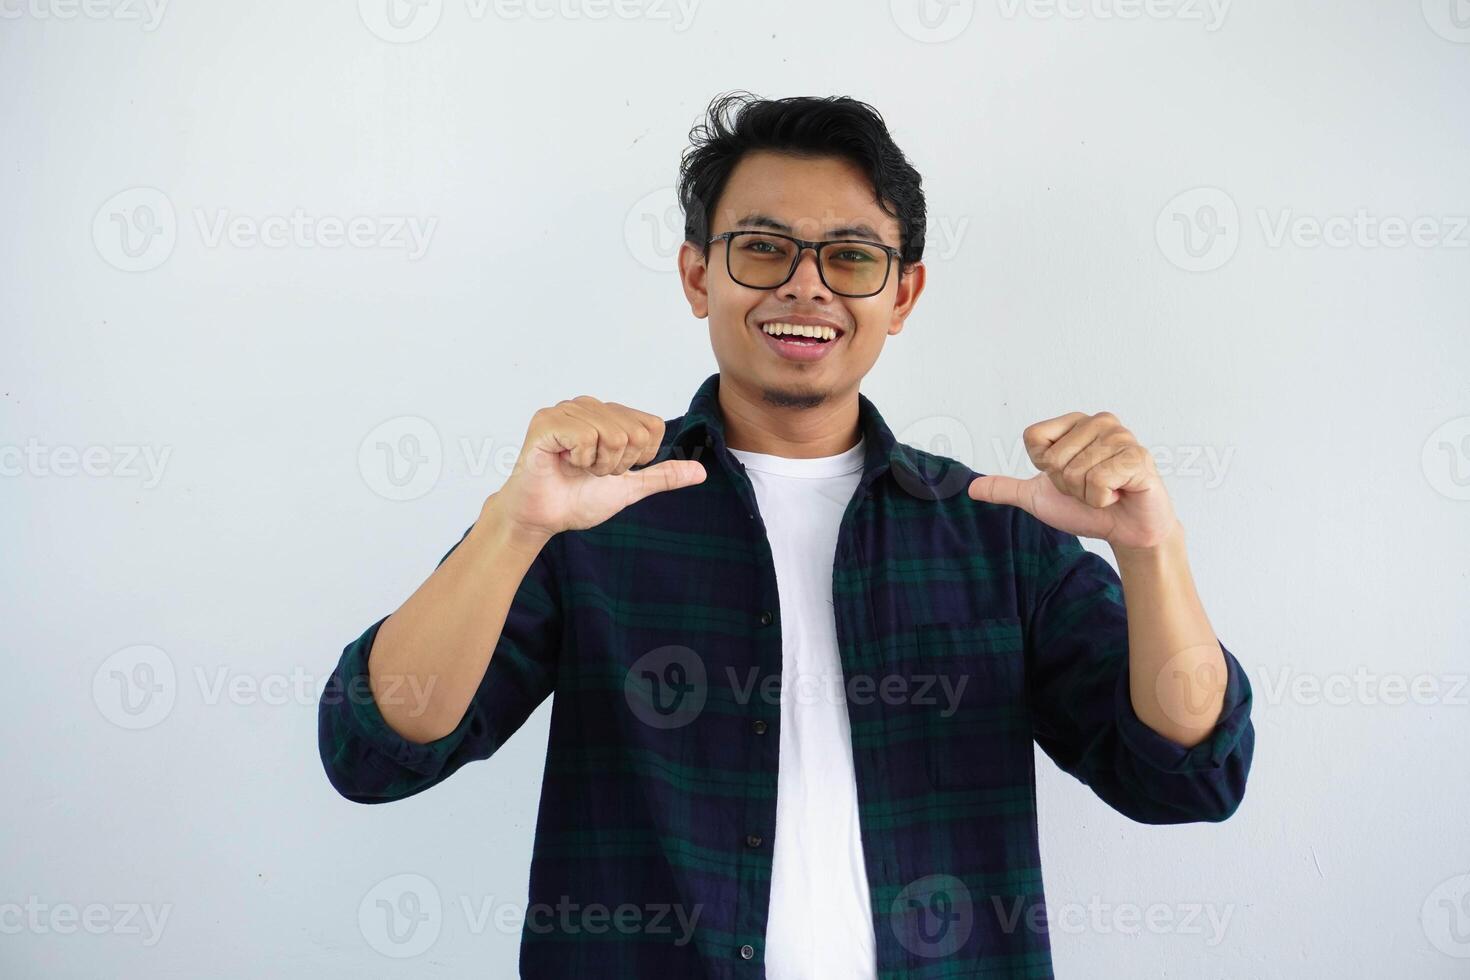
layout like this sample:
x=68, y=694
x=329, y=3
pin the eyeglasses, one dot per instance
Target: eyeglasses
x=765, y=260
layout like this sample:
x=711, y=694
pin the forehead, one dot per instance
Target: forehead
x=814, y=196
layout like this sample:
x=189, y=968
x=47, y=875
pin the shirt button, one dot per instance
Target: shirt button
x=766, y=617
x=751, y=840
x=760, y=727
x=747, y=951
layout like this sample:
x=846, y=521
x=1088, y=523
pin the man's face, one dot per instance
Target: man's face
x=814, y=199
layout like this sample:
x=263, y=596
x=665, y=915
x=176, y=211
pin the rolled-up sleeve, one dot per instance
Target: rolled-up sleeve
x=366, y=761
x=1082, y=711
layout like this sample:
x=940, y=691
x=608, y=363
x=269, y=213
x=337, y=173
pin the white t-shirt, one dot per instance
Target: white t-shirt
x=821, y=923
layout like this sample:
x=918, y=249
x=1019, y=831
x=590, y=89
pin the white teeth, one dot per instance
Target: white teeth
x=797, y=330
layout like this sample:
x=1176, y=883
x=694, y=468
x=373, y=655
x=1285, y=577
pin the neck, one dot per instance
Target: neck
x=777, y=422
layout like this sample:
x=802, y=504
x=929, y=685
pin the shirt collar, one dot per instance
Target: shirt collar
x=704, y=424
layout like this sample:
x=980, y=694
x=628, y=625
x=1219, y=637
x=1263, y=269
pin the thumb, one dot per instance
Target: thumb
x=1000, y=490
x=671, y=474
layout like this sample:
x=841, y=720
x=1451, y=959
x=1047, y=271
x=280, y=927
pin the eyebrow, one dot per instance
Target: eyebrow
x=859, y=230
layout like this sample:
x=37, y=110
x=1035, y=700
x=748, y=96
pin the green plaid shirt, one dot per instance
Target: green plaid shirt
x=966, y=631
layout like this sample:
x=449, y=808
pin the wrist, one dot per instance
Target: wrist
x=1172, y=542
x=498, y=530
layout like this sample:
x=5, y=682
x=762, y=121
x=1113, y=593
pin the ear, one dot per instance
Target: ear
x=910, y=285
x=694, y=276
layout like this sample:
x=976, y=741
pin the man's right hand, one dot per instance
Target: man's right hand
x=573, y=470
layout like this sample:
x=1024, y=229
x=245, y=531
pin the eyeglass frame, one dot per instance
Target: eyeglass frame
x=801, y=246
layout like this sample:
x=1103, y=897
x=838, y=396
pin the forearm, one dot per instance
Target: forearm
x=1176, y=669
x=430, y=656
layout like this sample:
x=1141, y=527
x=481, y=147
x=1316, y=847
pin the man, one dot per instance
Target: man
x=692, y=593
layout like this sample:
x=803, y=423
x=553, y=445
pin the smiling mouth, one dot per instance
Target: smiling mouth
x=800, y=334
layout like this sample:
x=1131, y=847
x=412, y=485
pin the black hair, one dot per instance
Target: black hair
x=803, y=126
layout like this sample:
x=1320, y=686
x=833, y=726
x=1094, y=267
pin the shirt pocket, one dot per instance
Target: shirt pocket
x=978, y=730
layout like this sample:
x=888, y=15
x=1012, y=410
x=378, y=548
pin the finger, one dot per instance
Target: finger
x=671, y=474
x=1093, y=438
x=612, y=437
x=559, y=432
x=1074, y=474
x=1039, y=436
x=1109, y=480
x=645, y=433
x=654, y=426
x=1002, y=490
x=1064, y=445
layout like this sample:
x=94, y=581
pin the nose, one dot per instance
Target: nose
x=806, y=281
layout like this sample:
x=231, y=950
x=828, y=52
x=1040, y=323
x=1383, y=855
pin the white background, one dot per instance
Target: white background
x=1327, y=382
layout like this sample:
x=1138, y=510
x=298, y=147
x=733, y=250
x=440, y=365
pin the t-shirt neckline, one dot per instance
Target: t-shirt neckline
x=848, y=461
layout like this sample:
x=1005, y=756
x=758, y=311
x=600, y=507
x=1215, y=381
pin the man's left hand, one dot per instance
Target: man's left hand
x=1095, y=481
